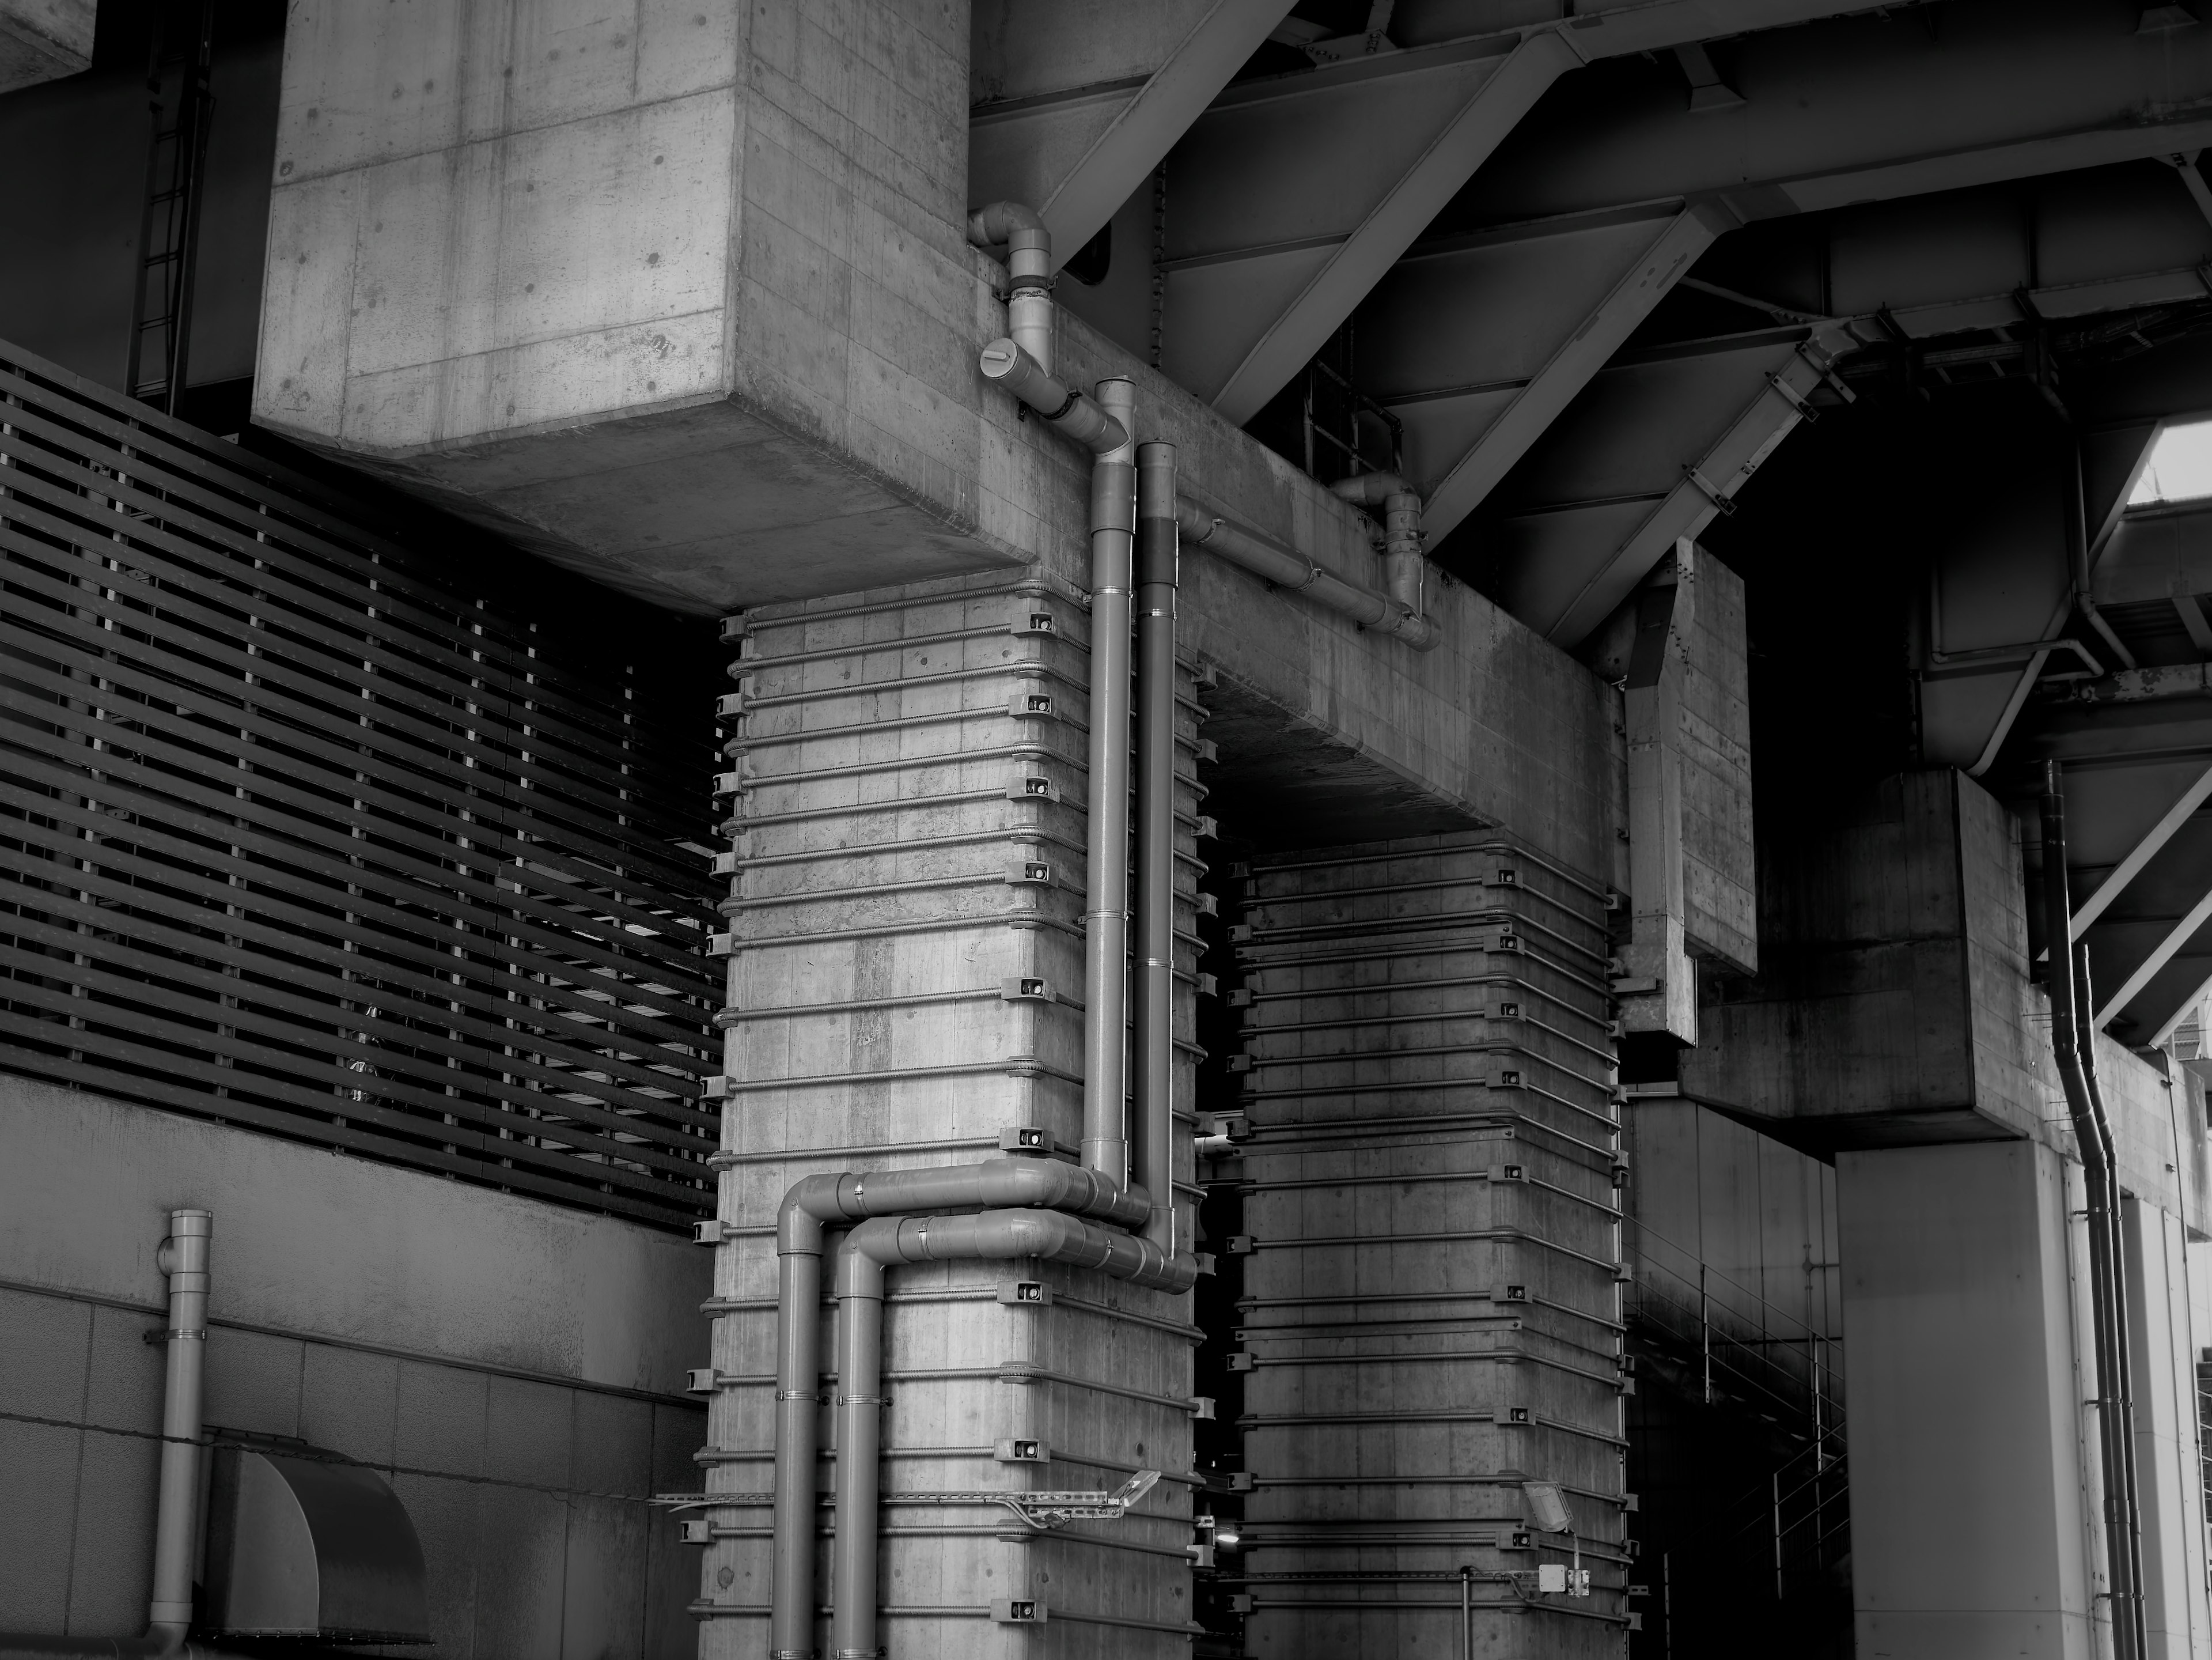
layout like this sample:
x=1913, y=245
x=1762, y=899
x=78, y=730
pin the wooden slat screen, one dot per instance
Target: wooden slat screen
x=371, y=839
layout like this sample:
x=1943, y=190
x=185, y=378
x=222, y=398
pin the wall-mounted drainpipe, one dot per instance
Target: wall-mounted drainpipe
x=1405, y=567
x=1152, y=1035
x=1269, y=560
x=2070, y=1032
x=994, y=1236
x=183, y=1257
x=1021, y=231
x=1106, y=919
x=2122, y=1389
x=815, y=1205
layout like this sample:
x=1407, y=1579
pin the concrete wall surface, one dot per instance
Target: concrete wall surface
x=2169, y=1456
x=514, y=1369
x=1758, y=1217
x=1972, y=1476
x=1898, y=1005
x=687, y=304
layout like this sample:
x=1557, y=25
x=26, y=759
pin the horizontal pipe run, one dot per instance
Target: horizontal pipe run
x=1270, y=561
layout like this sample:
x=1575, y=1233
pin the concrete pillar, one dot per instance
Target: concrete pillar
x=1972, y=1470
x=1432, y=1307
x=2176, y=1618
x=905, y=986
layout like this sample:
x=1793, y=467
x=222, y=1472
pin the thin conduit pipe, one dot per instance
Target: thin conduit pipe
x=812, y=1205
x=1270, y=561
x=2123, y=1387
x=870, y=1248
x=2092, y=1135
x=1152, y=1030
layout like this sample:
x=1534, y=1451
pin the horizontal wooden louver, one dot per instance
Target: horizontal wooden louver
x=373, y=839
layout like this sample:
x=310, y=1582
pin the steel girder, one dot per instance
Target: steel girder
x=1294, y=195
x=1662, y=444
x=1074, y=105
x=1482, y=337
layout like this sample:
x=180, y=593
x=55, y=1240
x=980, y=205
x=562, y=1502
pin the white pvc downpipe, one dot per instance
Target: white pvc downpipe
x=183, y=1257
x=1152, y=1028
x=1269, y=560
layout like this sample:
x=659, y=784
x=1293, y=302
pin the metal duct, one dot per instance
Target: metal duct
x=302, y=1543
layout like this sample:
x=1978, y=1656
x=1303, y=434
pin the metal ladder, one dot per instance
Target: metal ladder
x=179, y=59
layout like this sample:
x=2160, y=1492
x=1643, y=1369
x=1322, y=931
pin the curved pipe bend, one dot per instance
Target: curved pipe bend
x=817, y=1203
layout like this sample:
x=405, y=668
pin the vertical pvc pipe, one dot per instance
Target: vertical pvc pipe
x=859, y=1440
x=1465, y=1613
x=1106, y=919
x=1153, y=1028
x=183, y=1257
x=1029, y=300
x=797, y=1375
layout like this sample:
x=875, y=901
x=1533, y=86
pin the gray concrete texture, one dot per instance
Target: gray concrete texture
x=884, y=795
x=1898, y=1005
x=682, y=299
x=1432, y=1305
x=513, y=1368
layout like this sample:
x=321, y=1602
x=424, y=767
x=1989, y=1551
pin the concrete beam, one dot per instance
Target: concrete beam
x=1076, y=105
x=44, y=40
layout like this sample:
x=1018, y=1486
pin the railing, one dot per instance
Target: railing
x=362, y=839
x=1742, y=1345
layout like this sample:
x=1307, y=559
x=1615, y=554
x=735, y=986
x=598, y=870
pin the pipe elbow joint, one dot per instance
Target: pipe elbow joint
x=812, y=1201
x=1374, y=490
x=1420, y=632
x=995, y=224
